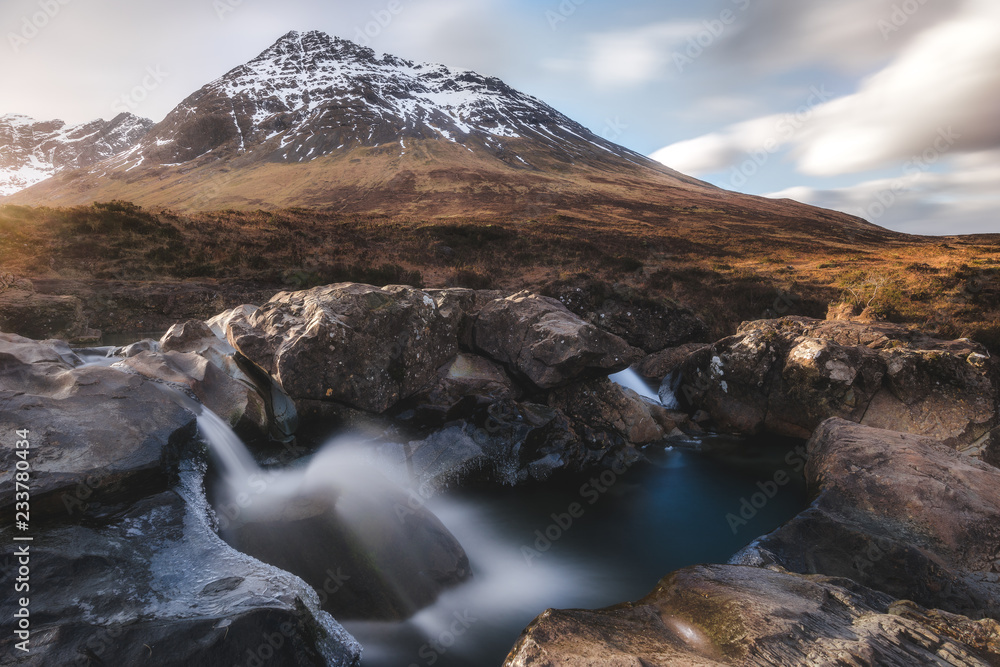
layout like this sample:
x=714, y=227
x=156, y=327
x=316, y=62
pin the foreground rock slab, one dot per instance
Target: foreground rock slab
x=733, y=615
x=786, y=376
x=899, y=513
x=96, y=433
x=541, y=340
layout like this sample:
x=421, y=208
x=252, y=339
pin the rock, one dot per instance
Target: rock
x=131, y=350
x=660, y=364
x=220, y=323
x=788, y=375
x=28, y=313
x=467, y=376
x=236, y=401
x=396, y=555
x=730, y=615
x=648, y=324
x=98, y=435
x=155, y=586
x=898, y=513
x=464, y=305
x=539, y=339
x=355, y=344
x=608, y=408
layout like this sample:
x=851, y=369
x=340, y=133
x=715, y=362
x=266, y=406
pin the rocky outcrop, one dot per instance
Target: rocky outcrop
x=27, y=313
x=355, y=344
x=713, y=615
x=130, y=569
x=648, y=324
x=155, y=586
x=96, y=434
x=787, y=376
x=660, y=364
x=540, y=340
x=603, y=407
x=898, y=513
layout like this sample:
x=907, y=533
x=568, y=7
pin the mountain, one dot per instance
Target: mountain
x=32, y=151
x=318, y=121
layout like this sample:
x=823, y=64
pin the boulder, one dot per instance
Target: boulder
x=788, y=375
x=660, y=364
x=237, y=401
x=220, y=323
x=155, y=586
x=604, y=407
x=467, y=378
x=464, y=305
x=27, y=313
x=539, y=339
x=96, y=434
x=363, y=346
x=899, y=513
x=711, y=615
x=648, y=324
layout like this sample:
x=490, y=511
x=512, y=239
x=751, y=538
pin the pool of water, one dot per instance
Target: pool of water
x=589, y=543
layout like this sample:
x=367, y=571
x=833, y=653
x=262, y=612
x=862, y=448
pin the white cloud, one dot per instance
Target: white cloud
x=637, y=56
x=947, y=78
x=963, y=200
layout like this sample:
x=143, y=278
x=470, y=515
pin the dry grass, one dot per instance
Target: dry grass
x=727, y=265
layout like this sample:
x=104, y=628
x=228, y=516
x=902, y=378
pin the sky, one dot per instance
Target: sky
x=886, y=109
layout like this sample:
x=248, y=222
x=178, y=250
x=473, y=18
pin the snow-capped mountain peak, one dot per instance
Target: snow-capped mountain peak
x=311, y=95
x=32, y=151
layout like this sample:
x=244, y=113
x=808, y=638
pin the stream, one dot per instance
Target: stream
x=589, y=542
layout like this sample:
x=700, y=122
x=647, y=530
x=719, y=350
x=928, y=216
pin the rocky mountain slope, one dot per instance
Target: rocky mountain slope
x=321, y=122
x=32, y=151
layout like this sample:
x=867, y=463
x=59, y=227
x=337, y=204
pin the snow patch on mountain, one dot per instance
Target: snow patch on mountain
x=32, y=151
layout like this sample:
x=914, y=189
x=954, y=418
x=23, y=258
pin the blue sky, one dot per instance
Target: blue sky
x=882, y=108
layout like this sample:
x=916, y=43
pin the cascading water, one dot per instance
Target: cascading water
x=339, y=523
x=629, y=379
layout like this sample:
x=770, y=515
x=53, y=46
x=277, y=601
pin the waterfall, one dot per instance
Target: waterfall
x=629, y=379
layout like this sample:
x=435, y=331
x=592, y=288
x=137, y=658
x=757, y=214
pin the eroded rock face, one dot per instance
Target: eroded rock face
x=789, y=375
x=28, y=313
x=94, y=431
x=732, y=615
x=605, y=407
x=356, y=344
x=541, y=340
x=156, y=586
x=899, y=513
x=648, y=324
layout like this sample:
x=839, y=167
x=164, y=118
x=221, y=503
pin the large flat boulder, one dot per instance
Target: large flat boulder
x=94, y=432
x=712, y=615
x=540, y=340
x=899, y=513
x=363, y=346
x=155, y=586
x=789, y=375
